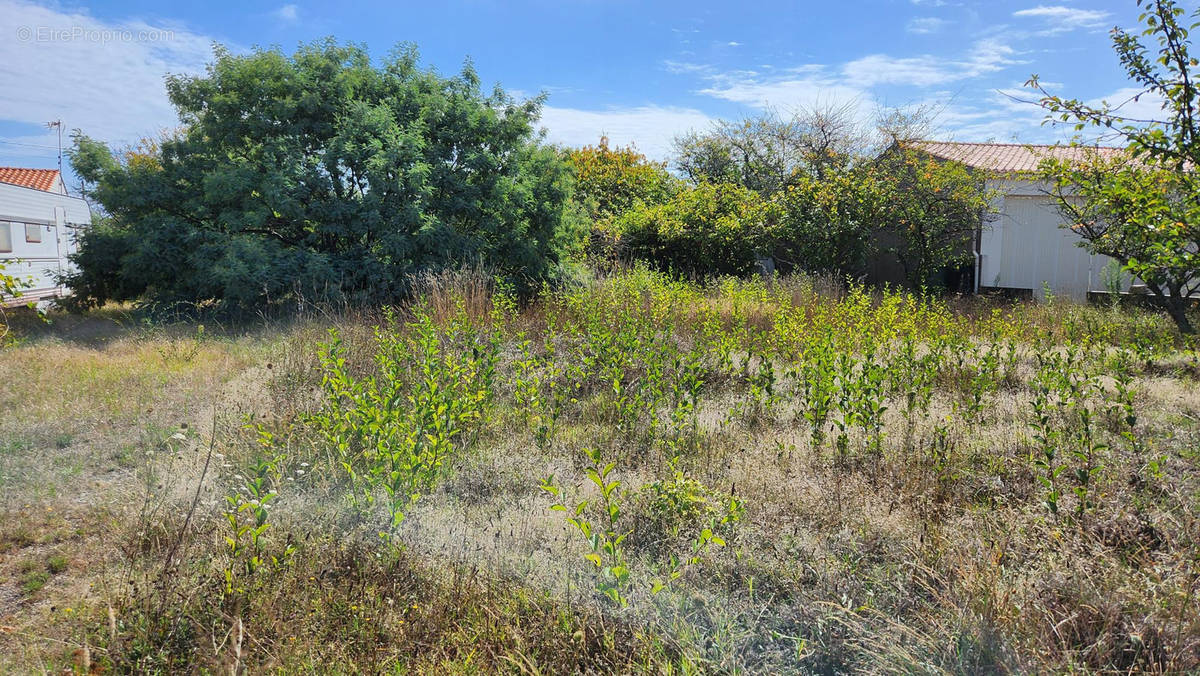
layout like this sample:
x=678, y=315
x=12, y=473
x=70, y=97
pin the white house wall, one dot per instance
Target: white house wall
x=58, y=217
x=1025, y=247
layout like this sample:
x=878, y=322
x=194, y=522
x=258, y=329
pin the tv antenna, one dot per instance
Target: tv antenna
x=52, y=125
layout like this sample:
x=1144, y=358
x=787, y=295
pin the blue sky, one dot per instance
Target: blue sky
x=638, y=71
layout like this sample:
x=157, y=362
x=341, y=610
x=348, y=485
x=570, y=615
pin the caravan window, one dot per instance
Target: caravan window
x=5, y=237
x=33, y=233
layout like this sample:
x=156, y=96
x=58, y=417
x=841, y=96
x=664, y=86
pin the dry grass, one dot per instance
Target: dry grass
x=893, y=562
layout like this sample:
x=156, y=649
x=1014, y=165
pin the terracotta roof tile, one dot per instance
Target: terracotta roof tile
x=38, y=179
x=1005, y=158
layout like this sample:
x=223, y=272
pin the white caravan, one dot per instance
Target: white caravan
x=39, y=227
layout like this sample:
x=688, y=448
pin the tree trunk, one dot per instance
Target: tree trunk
x=1177, y=307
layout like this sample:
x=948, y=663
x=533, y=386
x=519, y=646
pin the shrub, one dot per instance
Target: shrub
x=931, y=210
x=710, y=228
x=611, y=181
x=825, y=225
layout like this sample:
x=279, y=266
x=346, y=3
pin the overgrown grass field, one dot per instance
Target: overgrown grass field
x=634, y=474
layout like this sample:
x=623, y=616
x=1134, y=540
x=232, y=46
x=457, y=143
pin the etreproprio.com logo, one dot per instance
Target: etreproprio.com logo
x=85, y=34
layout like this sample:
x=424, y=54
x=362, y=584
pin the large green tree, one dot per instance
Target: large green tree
x=323, y=175
x=1142, y=208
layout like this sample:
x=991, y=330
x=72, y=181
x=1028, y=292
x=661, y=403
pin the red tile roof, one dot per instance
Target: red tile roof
x=38, y=179
x=1006, y=158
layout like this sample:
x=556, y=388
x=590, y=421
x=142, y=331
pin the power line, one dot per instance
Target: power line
x=28, y=145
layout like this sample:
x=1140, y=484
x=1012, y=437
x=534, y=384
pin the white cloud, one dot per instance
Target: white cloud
x=997, y=118
x=804, y=88
x=649, y=127
x=990, y=55
x=922, y=71
x=1010, y=114
x=992, y=117
x=105, y=78
x=925, y=25
x=986, y=56
x=1134, y=103
x=1061, y=19
x=678, y=67
x=287, y=13
x=862, y=85
x=1013, y=113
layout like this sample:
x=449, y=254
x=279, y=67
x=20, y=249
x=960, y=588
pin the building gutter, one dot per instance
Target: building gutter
x=978, y=270
x=977, y=248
